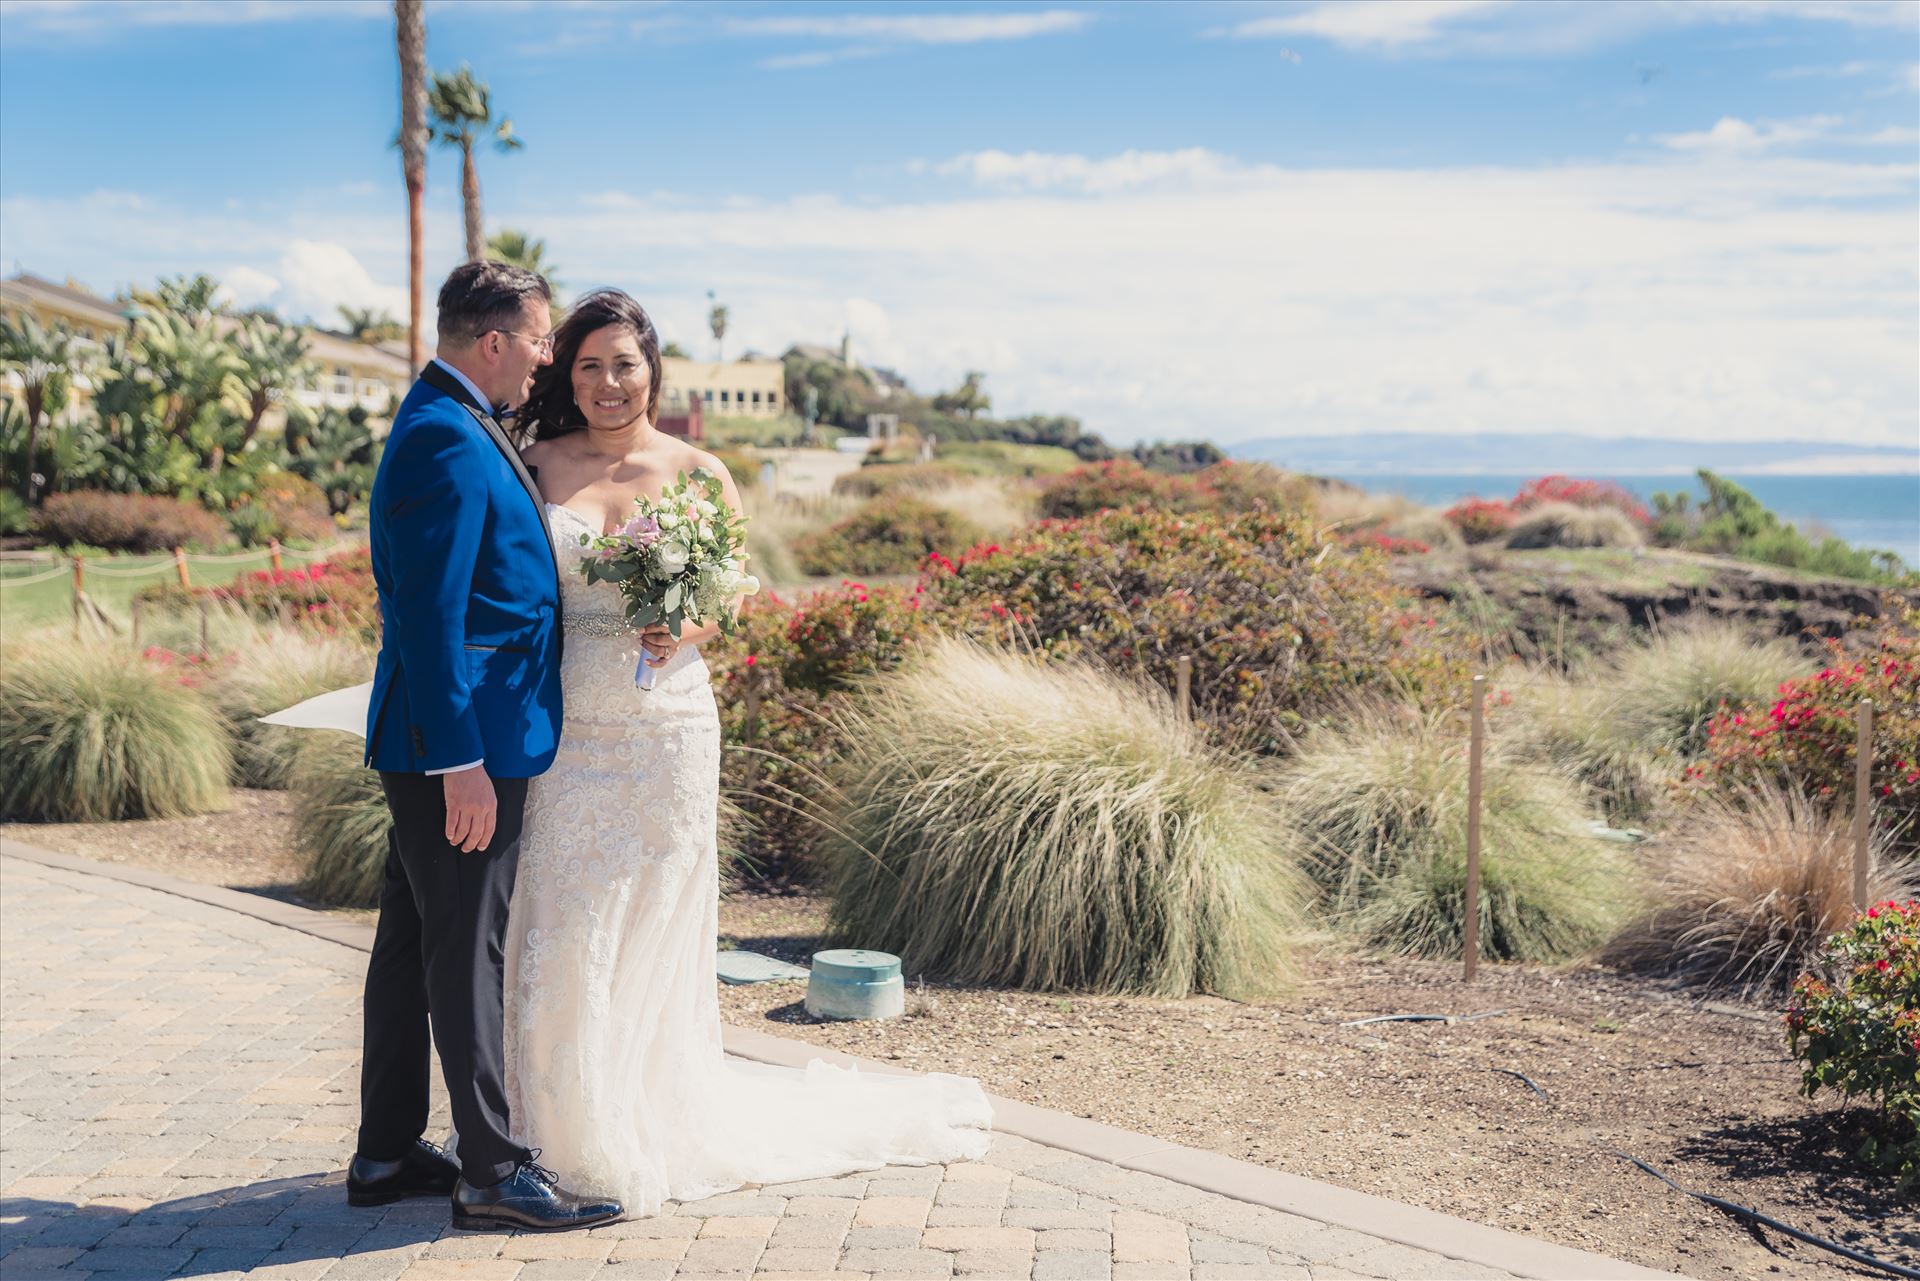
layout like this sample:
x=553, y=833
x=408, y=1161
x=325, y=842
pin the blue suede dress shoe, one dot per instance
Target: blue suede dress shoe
x=530, y=1199
x=423, y=1170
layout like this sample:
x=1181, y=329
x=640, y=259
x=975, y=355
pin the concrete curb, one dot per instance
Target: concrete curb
x=1210, y=1172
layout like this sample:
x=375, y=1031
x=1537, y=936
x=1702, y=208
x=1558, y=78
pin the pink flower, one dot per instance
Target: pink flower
x=642, y=530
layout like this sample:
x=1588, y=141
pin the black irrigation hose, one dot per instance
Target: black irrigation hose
x=1531, y=1084
x=1754, y=1219
x=1424, y=1018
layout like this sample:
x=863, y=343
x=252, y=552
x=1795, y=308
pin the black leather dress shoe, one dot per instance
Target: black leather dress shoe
x=424, y=1170
x=530, y=1199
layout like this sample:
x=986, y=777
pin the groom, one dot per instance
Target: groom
x=465, y=709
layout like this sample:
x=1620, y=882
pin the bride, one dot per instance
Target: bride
x=613, y=1054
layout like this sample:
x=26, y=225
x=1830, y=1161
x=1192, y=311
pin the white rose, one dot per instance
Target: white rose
x=669, y=559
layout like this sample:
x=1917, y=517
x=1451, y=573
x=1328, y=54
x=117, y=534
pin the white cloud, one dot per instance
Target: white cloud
x=1732, y=134
x=915, y=28
x=1043, y=171
x=1839, y=71
x=1364, y=24
x=1439, y=28
x=1706, y=293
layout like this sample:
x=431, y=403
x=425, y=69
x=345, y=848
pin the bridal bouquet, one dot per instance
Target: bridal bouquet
x=679, y=557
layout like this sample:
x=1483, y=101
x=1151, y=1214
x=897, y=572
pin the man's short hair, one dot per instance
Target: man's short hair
x=485, y=295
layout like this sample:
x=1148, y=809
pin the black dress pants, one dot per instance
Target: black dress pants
x=440, y=947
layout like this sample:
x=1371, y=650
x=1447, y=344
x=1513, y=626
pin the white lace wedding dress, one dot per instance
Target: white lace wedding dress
x=614, y=1064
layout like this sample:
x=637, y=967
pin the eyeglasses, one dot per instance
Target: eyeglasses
x=542, y=345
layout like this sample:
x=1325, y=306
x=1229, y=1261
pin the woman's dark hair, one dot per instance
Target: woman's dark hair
x=550, y=410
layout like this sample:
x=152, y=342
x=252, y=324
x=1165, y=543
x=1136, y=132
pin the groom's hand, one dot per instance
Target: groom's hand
x=472, y=809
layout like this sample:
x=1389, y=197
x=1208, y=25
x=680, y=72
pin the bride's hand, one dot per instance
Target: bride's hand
x=659, y=644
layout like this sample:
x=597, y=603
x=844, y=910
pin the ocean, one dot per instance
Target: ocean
x=1881, y=513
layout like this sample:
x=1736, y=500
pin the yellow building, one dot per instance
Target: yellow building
x=732, y=389
x=372, y=376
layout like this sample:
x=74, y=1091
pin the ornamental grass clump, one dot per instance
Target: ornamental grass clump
x=1376, y=806
x=1578, y=728
x=1670, y=688
x=1745, y=887
x=1003, y=822
x=282, y=666
x=91, y=733
x=1557, y=524
x=340, y=819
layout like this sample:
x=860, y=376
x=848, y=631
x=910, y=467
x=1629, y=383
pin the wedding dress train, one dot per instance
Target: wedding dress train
x=614, y=1061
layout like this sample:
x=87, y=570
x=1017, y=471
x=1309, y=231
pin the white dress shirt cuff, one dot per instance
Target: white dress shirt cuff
x=455, y=769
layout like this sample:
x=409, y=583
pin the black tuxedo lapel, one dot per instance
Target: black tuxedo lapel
x=436, y=377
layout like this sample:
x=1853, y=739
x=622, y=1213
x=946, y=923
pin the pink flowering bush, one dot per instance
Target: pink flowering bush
x=1579, y=493
x=1857, y=1030
x=1480, y=520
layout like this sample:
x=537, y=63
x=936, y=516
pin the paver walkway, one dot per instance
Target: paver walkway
x=178, y=1091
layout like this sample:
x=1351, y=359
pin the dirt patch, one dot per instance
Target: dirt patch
x=1424, y=1113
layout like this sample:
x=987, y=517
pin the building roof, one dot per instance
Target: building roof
x=326, y=345
x=27, y=287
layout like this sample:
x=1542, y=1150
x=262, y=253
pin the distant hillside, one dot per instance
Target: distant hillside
x=1533, y=455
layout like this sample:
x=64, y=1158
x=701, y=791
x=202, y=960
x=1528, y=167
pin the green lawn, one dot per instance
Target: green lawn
x=40, y=604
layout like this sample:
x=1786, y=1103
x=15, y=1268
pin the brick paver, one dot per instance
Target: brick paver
x=178, y=1098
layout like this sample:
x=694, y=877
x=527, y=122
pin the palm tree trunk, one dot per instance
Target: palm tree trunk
x=470, y=196
x=34, y=397
x=410, y=35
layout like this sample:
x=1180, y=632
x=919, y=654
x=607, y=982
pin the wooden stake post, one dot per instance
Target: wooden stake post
x=1862, y=801
x=1183, y=685
x=79, y=591
x=1470, y=941
x=180, y=564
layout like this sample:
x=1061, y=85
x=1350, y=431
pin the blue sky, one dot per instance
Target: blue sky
x=1690, y=219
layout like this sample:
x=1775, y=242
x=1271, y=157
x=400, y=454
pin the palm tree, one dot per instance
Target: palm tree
x=410, y=34
x=520, y=249
x=462, y=112
x=369, y=324
x=271, y=360
x=46, y=359
x=717, y=321
x=189, y=365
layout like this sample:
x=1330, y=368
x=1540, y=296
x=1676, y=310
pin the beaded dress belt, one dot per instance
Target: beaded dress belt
x=597, y=625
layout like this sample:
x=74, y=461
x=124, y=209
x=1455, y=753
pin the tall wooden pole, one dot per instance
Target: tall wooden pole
x=1183, y=685
x=1470, y=941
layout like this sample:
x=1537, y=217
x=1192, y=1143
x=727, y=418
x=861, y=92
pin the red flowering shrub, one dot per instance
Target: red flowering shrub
x=1234, y=486
x=1480, y=520
x=1857, y=1030
x=1388, y=543
x=127, y=522
x=1809, y=732
x=1277, y=628
x=1579, y=493
x=336, y=595
x=802, y=660
x=892, y=534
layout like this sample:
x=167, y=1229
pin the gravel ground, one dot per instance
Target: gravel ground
x=1419, y=1112
x=1422, y=1112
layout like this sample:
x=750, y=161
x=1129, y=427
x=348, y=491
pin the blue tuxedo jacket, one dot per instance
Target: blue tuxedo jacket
x=469, y=595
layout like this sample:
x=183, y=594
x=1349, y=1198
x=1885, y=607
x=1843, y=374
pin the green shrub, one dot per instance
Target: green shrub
x=91, y=734
x=1428, y=527
x=340, y=819
x=127, y=522
x=893, y=534
x=1048, y=828
x=1566, y=525
x=1858, y=1030
x=282, y=506
x=742, y=465
x=15, y=516
x=1117, y=484
x=1006, y=458
x=1236, y=487
x=870, y=481
x=1731, y=521
x=1745, y=887
x=283, y=666
x=1377, y=807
